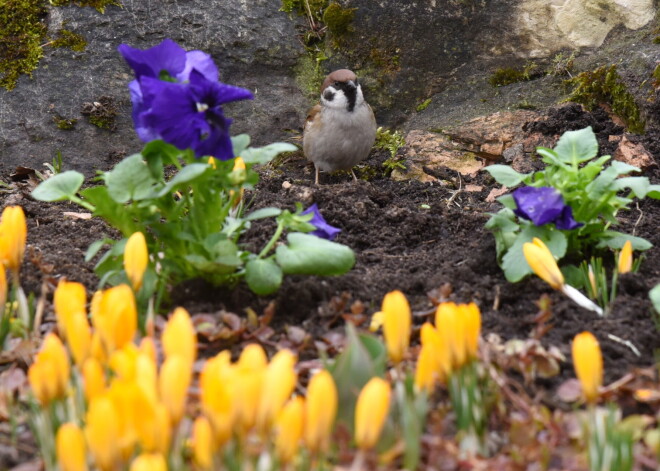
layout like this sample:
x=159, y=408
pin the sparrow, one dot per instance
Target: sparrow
x=341, y=129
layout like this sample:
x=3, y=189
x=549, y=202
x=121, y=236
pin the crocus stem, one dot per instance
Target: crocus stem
x=21, y=300
x=273, y=240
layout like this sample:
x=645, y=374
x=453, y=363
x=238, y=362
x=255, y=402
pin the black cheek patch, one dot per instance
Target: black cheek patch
x=328, y=95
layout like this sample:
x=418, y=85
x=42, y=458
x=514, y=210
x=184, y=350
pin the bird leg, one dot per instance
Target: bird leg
x=316, y=182
x=354, y=177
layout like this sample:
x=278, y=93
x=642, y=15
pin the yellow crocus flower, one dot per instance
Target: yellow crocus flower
x=216, y=382
x=152, y=423
x=397, y=320
x=13, y=235
x=136, y=259
x=49, y=374
x=248, y=384
x=202, y=443
x=102, y=433
x=3, y=289
x=289, y=429
x=173, y=382
x=70, y=448
x=433, y=362
x=471, y=318
x=451, y=328
x=148, y=347
x=70, y=298
x=320, y=411
x=543, y=263
x=588, y=364
x=626, y=258
x=179, y=336
x=93, y=378
x=79, y=337
x=149, y=462
x=278, y=383
x=115, y=316
x=371, y=410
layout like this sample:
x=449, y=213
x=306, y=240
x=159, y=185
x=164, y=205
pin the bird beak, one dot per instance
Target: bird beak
x=351, y=84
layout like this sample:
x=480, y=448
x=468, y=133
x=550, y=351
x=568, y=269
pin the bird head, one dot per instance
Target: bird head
x=341, y=90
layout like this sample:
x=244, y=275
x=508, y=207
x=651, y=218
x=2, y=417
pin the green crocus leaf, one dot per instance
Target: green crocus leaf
x=654, y=294
x=306, y=254
x=59, y=187
x=505, y=175
x=263, y=213
x=263, y=155
x=575, y=147
x=263, y=276
x=515, y=265
x=131, y=179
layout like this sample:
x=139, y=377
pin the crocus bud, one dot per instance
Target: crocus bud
x=174, y=380
x=136, y=259
x=103, y=433
x=289, y=429
x=278, y=384
x=115, y=316
x=320, y=411
x=433, y=361
x=451, y=329
x=373, y=405
x=248, y=384
x=471, y=318
x=70, y=448
x=588, y=364
x=13, y=234
x=543, y=263
x=79, y=337
x=202, y=443
x=93, y=378
x=49, y=374
x=396, y=324
x=149, y=462
x=69, y=298
x=626, y=258
x=179, y=336
x=215, y=382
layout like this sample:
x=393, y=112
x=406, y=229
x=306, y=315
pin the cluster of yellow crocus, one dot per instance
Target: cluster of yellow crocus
x=588, y=364
x=13, y=234
x=448, y=345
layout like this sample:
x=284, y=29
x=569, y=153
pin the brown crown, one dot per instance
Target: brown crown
x=341, y=75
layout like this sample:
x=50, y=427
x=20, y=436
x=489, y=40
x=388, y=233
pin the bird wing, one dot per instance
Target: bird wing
x=311, y=114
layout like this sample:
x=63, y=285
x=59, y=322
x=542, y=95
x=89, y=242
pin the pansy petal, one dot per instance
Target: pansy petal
x=323, y=229
x=221, y=92
x=201, y=62
x=166, y=56
x=565, y=221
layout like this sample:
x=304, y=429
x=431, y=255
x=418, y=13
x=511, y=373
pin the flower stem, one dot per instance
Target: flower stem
x=273, y=240
x=83, y=203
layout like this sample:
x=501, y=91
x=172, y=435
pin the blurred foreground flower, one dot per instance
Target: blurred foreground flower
x=588, y=364
x=70, y=448
x=177, y=97
x=544, y=205
x=289, y=429
x=323, y=229
x=49, y=374
x=543, y=264
x=320, y=411
x=371, y=410
x=625, y=258
x=396, y=325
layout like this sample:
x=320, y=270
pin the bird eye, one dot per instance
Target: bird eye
x=337, y=83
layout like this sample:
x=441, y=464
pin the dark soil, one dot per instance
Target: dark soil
x=416, y=237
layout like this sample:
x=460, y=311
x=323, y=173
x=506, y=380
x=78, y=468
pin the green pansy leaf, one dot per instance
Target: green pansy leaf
x=654, y=192
x=263, y=213
x=306, y=254
x=507, y=201
x=131, y=179
x=615, y=240
x=239, y=144
x=505, y=175
x=638, y=185
x=263, y=276
x=59, y=187
x=185, y=176
x=159, y=153
x=654, y=294
x=116, y=214
x=263, y=155
x=578, y=146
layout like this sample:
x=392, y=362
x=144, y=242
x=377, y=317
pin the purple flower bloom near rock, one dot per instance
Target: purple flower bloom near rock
x=544, y=205
x=177, y=97
x=323, y=229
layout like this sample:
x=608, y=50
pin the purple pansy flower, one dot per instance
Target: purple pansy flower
x=323, y=229
x=177, y=97
x=544, y=205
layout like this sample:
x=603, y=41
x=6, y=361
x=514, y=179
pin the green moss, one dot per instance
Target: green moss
x=386, y=61
x=22, y=31
x=66, y=124
x=98, y=4
x=656, y=40
x=423, y=105
x=69, y=39
x=392, y=142
x=604, y=86
x=338, y=19
x=101, y=113
x=509, y=75
x=310, y=75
